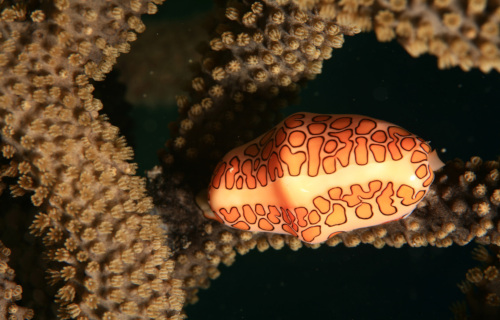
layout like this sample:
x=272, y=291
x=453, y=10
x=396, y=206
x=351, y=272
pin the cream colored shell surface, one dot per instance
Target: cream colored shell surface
x=313, y=176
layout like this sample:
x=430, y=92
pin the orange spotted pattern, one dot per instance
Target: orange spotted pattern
x=313, y=176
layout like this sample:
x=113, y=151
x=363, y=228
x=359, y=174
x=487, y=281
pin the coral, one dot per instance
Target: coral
x=459, y=33
x=462, y=204
x=9, y=290
x=110, y=254
x=481, y=286
x=460, y=207
x=258, y=56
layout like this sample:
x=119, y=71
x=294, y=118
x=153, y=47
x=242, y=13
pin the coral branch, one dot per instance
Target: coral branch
x=111, y=254
x=463, y=204
x=110, y=257
x=259, y=55
x=459, y=33
x=481, y=287
x=10, y=291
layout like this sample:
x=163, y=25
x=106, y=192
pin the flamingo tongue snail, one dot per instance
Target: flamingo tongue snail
x=313, y=176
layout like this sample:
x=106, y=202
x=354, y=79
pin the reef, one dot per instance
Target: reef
x=116, y=250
